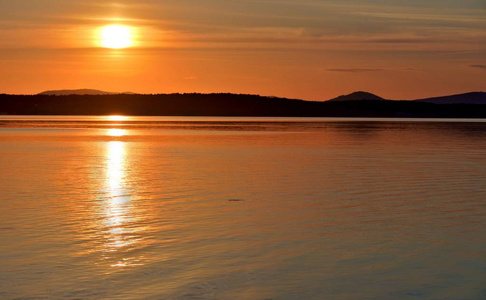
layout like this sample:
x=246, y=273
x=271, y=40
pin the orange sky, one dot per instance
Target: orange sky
x=309, y=49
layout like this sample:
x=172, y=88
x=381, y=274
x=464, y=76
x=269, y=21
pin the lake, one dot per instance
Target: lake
x=242, y=208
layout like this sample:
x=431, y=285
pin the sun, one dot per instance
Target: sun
x=116, y=36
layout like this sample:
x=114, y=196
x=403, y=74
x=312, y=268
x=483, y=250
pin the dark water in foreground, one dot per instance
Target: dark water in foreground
x=220, y=208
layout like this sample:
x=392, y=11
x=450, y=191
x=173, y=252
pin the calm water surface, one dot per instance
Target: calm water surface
x=242, y=208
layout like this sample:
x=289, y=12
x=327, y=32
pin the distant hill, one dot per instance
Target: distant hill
x=468, y=98
x=357, y=96
x=79, y=92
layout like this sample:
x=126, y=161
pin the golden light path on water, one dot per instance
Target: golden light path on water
x=117, y=118
x=116, y=132
x=117, y=207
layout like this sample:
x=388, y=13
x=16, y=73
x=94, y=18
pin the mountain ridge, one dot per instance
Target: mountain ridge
x=357, y=96
x=68, y=92
x=466, y=98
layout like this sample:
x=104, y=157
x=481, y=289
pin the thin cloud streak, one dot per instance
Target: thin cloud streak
x=483, y=67
x=355, y=70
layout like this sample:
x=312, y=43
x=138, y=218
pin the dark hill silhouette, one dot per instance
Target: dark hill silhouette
x=468, y=98
x=78, y=92
x=227, y=105
x=357, y=96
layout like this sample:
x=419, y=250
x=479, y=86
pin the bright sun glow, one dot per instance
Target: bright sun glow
x=116, y=36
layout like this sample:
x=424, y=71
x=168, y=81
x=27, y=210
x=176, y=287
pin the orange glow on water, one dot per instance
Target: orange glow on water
x=117, y=118
x=116, y=132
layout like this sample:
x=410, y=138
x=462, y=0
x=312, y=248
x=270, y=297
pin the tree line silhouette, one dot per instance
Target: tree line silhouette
x=225, y=104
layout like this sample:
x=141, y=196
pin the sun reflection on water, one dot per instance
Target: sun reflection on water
x=117, y=208
x=117, y=118
x=115, y=168
x=116, y=132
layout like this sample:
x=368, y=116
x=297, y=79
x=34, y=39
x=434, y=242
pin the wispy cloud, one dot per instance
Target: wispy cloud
x=478, y=66
x=398, y=40
x=355, y=70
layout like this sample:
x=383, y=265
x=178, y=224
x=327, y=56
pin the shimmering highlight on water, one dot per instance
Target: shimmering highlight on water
x=245, y=208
